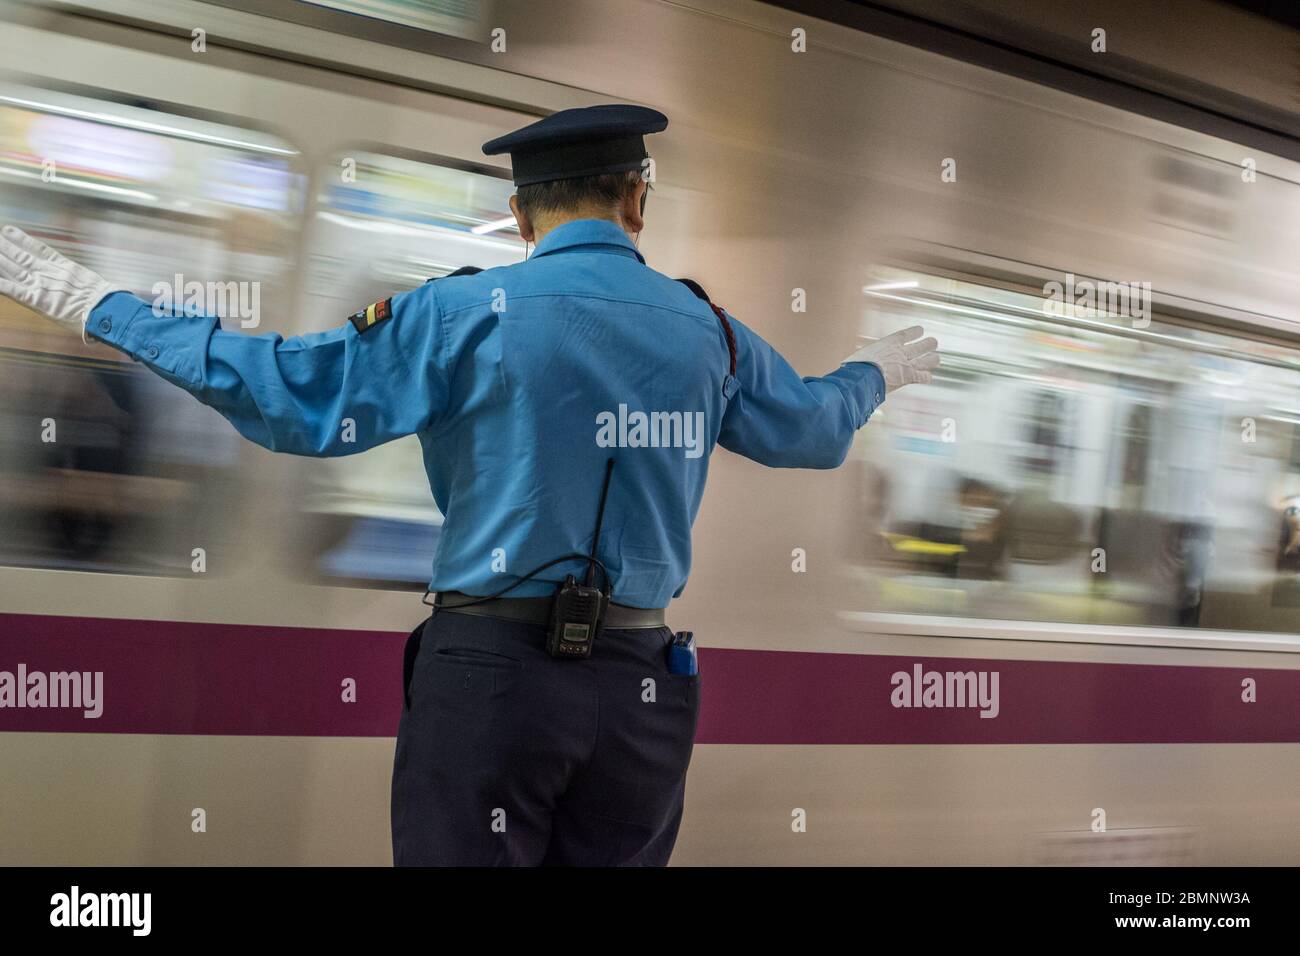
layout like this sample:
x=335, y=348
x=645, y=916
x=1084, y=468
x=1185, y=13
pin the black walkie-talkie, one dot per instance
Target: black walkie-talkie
x=578, y=609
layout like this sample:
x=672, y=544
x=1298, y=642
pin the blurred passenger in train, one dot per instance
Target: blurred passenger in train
x=96, y=413
x=555, y=725
x=1288, y=547
x=1192, y=546
x=983, y=510
x=874, y=507
x=90, y=426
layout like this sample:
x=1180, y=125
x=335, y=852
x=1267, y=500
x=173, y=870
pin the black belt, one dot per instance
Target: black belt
x=538, y=610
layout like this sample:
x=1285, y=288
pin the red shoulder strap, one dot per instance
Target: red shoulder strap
x=731, y=337
x=699, y=292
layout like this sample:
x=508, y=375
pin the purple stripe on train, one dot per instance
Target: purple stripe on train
x=67, y=674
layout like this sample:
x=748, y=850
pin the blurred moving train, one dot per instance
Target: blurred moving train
x=1102, y=504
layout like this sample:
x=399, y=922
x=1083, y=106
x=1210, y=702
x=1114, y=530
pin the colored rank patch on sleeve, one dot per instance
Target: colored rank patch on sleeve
x=372, y=315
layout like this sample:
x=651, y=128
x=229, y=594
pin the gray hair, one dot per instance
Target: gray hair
x=562, y=195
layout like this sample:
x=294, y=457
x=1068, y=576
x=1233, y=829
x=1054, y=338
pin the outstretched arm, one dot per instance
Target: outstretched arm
x=338, y=392
x=779, y=419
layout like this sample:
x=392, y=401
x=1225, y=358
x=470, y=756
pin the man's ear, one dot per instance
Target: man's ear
x=633, y=220
x=521, y=218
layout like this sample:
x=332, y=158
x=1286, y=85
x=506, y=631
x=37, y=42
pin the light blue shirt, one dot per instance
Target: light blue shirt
x=520, y=382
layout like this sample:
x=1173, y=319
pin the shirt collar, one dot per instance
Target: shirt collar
x=591, y=235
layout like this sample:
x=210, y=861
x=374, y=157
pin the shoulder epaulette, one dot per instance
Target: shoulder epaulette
x=462, y=271
x=698, y=289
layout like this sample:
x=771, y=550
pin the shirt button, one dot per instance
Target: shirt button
x=151, y=352
x=878, y=398
x=105, y=325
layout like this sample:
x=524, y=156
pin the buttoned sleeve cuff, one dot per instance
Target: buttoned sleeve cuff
x=863, y=385
x=171, y=341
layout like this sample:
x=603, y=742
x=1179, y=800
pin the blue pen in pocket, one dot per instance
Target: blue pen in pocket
x=681, y=655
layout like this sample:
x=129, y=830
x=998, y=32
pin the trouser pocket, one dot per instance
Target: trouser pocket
x=409, y=655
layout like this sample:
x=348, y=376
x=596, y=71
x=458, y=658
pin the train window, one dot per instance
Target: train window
x=1086, y=468
x=103, y=466
x=383, y=224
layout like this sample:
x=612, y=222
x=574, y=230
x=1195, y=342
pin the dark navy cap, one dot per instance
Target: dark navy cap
x=582, y=142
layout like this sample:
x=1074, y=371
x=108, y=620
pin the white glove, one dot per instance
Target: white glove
x=902, y=360
x=35, y=275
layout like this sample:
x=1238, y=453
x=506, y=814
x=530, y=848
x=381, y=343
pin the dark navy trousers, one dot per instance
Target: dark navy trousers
x=509, y=757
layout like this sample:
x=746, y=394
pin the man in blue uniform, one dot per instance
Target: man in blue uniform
x=567, y=406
